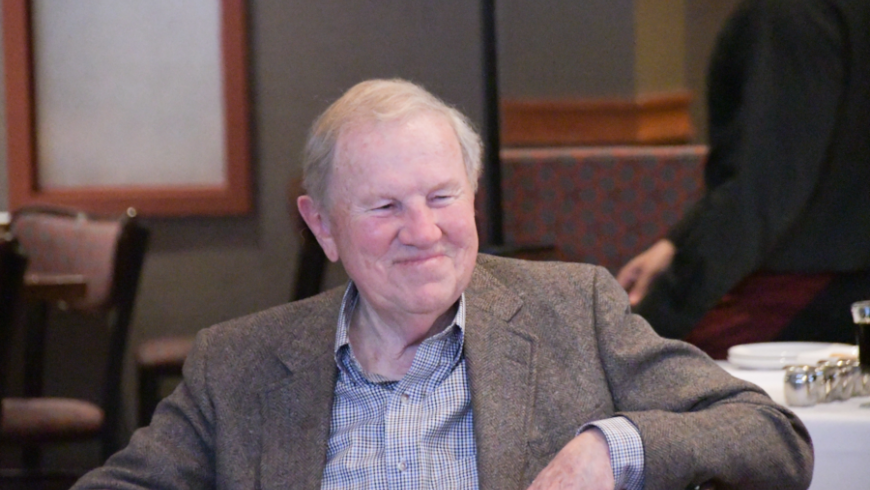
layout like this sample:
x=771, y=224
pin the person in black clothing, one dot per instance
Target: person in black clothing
x=779, y=245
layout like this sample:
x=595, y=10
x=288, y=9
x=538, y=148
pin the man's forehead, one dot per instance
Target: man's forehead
x=369, y=129
x=360, y=144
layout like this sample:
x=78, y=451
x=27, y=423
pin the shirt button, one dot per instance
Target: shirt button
x=402, y=466
x=405, y=398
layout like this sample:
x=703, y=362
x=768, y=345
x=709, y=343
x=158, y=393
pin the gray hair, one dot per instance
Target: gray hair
x=378, y=101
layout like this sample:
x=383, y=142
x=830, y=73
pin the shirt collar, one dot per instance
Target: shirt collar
x=349, y=302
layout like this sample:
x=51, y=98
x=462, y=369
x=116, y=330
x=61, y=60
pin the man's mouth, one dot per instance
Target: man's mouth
x=419, y=259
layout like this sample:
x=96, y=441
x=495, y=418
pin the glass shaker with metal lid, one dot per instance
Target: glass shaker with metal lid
x=801, y=386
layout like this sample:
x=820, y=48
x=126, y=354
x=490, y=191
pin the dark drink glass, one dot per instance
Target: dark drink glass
x=861, y=316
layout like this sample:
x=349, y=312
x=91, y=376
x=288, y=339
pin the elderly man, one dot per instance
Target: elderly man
x=440, y=368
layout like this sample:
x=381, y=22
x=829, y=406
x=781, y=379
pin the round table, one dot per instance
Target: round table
x=840, y=432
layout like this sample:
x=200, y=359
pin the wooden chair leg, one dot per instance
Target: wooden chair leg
x=149, y=395
x=34, y=354
x=31, y=458
x=311, y=268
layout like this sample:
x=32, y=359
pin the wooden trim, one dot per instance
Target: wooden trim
x=651, y=119
x=19, y=101
x=231, y=198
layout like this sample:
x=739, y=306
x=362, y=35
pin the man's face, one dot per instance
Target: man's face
x=402, y=214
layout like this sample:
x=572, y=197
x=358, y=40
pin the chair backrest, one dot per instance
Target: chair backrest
x=12, y=266
x=311, y=263
x=108, y=252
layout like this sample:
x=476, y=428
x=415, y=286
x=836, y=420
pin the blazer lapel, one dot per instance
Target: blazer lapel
x=296, y=411
x=500, y=360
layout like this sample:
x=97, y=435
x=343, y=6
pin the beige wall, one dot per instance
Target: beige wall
x=559, y=48
x=660, y=46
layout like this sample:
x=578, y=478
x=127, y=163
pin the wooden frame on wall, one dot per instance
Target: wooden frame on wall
x=230, y=197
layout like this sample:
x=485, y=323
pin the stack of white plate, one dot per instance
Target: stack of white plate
x=776, y=355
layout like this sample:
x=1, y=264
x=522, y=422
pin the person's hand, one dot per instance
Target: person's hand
x=583, y=464
x=640, y=271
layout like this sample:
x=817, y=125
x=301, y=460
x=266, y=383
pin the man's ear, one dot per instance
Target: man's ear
x=318, y=223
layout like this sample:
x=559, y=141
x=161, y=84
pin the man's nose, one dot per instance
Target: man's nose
x=420, y=227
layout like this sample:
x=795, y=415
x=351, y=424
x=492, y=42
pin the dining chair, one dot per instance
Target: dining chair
x=107, y=252
x=160, y=359
x=12, y=265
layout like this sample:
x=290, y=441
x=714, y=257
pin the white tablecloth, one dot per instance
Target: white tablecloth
x=840, y=433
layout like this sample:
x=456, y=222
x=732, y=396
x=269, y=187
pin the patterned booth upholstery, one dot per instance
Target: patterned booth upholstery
x=600, y=205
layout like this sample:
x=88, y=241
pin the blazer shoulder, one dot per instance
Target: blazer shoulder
x=512, y=272
x=297, y=318
x=255, y=345
x=548, y=282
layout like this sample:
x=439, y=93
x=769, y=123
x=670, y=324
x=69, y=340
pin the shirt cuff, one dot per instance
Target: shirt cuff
x=626, y=451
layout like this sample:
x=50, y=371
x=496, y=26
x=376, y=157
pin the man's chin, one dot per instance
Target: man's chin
x=432, y=299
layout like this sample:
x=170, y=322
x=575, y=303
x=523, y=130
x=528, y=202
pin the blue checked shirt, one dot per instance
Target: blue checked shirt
x=418, y=432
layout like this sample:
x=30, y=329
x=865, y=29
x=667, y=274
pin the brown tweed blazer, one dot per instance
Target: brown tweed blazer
x=549, y=346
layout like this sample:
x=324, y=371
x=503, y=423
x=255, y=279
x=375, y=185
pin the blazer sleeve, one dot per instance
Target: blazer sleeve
x=177, y=450
x=698, y=423
x=776, y=86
